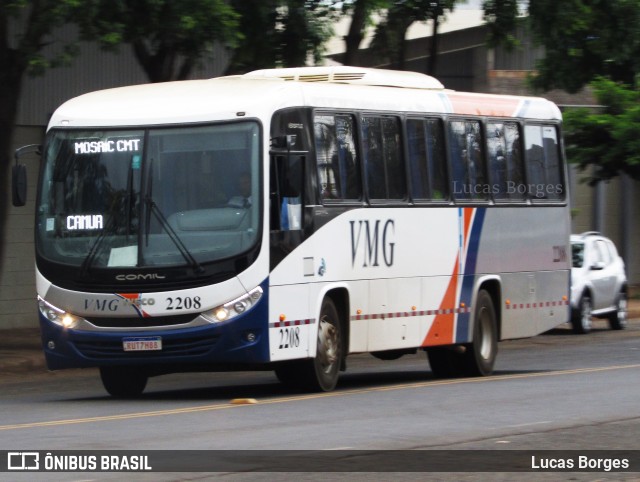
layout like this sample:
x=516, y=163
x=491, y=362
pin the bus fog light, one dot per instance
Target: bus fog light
x=51, y=345
x=251, y=337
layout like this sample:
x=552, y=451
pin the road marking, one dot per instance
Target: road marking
x=520, y=425
x=313, y=396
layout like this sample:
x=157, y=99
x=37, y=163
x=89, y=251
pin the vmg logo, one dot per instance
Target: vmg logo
x=372, y=242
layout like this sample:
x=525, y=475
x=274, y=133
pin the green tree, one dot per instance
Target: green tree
x=609, y=140
x=500, y=16
x=585, y=40
x=284, y=33
x=581, y=38
x=168, y=37
x=361, y=12
x=390, y=37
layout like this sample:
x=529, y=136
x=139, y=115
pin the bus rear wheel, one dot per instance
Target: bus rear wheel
x=480, y=354
x=473, y=359
x=123, y=382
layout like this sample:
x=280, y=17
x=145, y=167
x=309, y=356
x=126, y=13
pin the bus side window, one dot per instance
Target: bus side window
x=427, y=161
x=467, y=161
x=336, y=157
x=505, y=161
x=544, y=170
x=384, y=162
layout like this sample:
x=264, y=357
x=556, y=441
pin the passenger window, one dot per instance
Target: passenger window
x=337, y=161
x=427, y=161
x=504, y=156
x=384, y=164
x=467, y=162
x=544, y=170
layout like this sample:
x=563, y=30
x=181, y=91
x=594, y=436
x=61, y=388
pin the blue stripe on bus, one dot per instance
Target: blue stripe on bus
x=466, y=292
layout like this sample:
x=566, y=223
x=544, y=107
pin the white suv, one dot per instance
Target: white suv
x=598, y=282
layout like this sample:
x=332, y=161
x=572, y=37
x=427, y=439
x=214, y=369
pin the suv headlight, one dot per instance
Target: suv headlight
x=57, y=315
x=235, y=307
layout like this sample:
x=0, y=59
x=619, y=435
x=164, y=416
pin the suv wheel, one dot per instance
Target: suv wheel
x=581, y=317
x=618, y=319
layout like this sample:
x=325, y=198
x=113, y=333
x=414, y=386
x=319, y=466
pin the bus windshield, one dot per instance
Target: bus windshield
x=161, y=197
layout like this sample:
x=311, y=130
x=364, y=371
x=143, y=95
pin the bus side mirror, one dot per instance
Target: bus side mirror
x=19, y=175
x=284, y=142
x=19, y=184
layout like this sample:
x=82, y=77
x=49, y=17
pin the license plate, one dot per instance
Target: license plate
x=142, y=343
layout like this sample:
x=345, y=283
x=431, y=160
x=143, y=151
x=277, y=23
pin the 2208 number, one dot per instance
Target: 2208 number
x=289, y=338
x=186, y=303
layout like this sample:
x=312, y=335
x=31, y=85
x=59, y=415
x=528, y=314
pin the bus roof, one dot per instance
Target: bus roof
x=259, y=93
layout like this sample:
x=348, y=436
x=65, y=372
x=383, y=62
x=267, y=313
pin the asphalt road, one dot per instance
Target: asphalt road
x=557, y=391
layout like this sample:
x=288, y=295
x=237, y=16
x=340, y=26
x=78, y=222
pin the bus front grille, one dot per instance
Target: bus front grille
x=114, y=322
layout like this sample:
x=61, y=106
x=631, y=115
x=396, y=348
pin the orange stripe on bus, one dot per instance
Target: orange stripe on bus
x=441, y=331
x=483, y=105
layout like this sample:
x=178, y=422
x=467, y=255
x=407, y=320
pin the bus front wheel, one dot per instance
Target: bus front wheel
x=321, y=372
x=123, y=382
x=326, y=363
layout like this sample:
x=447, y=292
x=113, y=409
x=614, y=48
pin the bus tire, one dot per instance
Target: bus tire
x=326, y=363
x=123, y=382
x=472, y=359
x=321, y=372
x=480, y=354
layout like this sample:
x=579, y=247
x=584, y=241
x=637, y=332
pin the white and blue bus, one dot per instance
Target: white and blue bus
x=285, y=219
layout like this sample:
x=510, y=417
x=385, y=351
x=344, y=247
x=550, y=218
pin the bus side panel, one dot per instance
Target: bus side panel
x=395, y=324
x=531, y=255
x=292, y=325
x=397, y=265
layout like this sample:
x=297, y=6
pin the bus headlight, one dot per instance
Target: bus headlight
x=56, y=315
x=234, y=308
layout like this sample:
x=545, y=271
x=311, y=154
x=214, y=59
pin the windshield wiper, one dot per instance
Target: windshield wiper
x=95, y=247
x=152, y=207
x=184, y=251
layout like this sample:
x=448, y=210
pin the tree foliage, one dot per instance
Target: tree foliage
x=586, y=38
x=582, y=39
x=500, y=16
x=168, y=37
x=361, y=12
x=284, y=33
x=390, y=37
x=608, y=140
